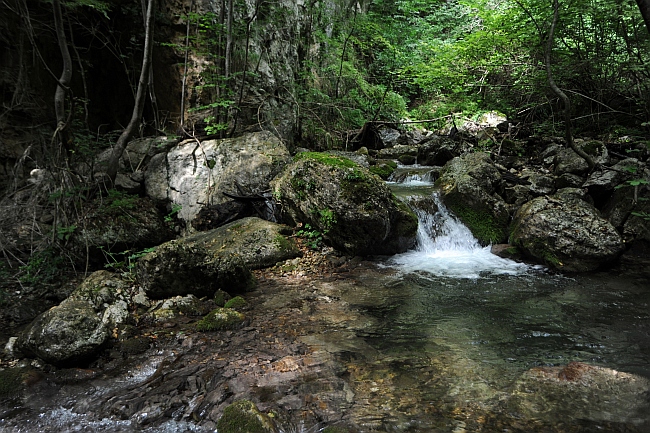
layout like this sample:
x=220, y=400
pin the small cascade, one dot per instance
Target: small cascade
x=446, y=247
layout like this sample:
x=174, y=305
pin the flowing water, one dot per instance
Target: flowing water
x=450, y=338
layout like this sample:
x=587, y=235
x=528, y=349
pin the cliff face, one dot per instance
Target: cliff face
x=244, y=58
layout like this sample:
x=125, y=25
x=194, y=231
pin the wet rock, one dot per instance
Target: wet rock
x=565, y=232
x=552, y=393
x=201, y=263
x=193, y=175
x=469, y=188
x=77, y=329
x=353, y=209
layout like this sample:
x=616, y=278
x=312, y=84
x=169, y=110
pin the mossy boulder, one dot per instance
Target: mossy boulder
x=115, y=224
x=222, y=258
x=353, y=208
x=220, y=319
x=79, y=327
x=469, y=186
x=244, y=417
x=565, y=232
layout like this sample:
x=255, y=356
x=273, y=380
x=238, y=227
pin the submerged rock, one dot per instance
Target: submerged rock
x=222, y=258
x=554, y=393
x=352, y=208
x=565, y=232
x=469, y=188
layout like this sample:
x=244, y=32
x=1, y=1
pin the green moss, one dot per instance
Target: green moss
x=283, y=243
x=220, y=319
x=327, y=159
x=221, y=297
x=383, y=170
x=244, y=417
x=481, y=224
x=236, y=302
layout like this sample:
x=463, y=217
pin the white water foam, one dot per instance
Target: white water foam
x=446, y=247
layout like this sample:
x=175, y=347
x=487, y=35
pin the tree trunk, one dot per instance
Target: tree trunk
x=66, y=76
x=565, y=99
x=140, y=96
x=644, y=7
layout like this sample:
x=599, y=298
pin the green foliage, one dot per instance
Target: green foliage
x=644, y=215
x=171, y=216
x=124, y=262
x=118, y=203
x=313, y=237
x=43, y=267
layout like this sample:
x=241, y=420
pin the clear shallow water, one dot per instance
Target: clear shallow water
x=450, y=338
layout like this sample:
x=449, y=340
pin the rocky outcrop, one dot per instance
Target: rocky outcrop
x=353, y=209
x=565, y=232
x=193, y=175
x=601, y=183
x=222, y=258
x=469, y=186
x=79, y=327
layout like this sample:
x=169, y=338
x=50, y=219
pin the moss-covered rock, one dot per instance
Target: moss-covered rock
x=216, y=259
x=236, y=302
x=244, y=417
x=220, y=319
x=117, y=224
x=79, y=327
x=353, y=209
x=565, y=232
x=468, y=187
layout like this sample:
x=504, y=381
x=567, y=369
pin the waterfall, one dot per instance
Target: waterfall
x=445, y=246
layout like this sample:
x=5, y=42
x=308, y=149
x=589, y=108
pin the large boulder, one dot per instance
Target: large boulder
x=567, y=161
x=469, y=186
x=353, y=208
x=565, y=232
x=193, y=175
x=438, y=150
x=222, y=258
x=115, y=224
x=78, y=328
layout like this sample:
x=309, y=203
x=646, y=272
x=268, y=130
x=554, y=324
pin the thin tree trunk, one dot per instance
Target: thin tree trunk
x=565, y=99
x=140, y=96
x=64, y=79
x=152, y=92
x=187, y=50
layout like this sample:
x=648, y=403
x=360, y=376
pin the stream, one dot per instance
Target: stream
x=445, y=338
